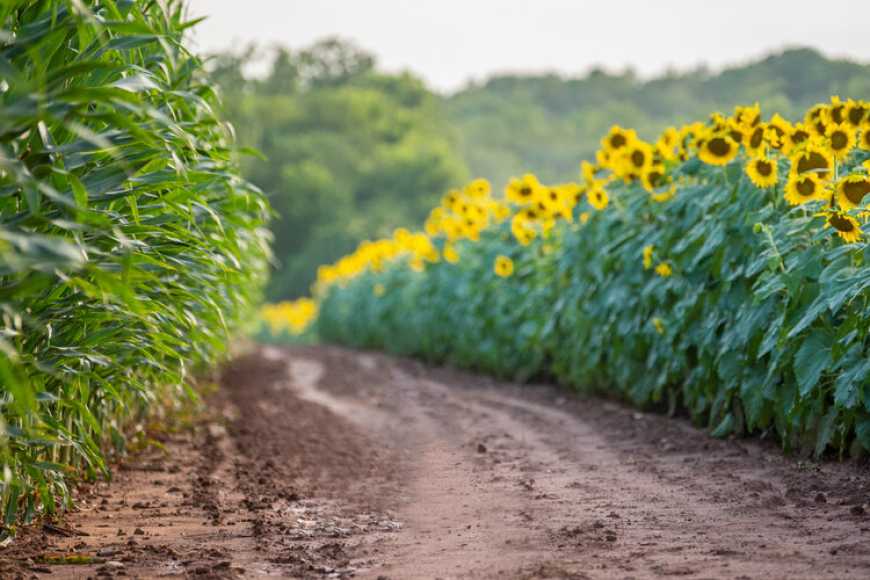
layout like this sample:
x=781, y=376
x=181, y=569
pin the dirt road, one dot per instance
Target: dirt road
x=322, y=462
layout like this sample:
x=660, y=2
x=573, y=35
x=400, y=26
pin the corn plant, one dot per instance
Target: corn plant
x=130, y=248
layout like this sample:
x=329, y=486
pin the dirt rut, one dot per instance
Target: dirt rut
x=324, y=462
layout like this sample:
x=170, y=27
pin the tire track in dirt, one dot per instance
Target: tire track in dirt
x=592, y=506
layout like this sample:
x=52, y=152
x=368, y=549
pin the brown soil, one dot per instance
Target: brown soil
x=324, y=462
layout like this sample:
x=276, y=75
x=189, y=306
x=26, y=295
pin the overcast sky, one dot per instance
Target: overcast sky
x=448, y=42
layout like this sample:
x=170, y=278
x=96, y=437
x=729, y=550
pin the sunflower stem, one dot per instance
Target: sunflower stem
x=775, y=248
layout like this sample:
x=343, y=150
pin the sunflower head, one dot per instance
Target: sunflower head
x=478, y=188
x=812, y=158
x=841, y=139
x=598, y=197
x=718, y=149
x=852, y=190
x=845, y=225
x=637, y=158
x=864, y=141
x=503, y=266
x=524, y=190
x=617, y=138
x=836, y=110
x=795, y=138
x=817, y=119
x=777, y=129
x=804, y=188
x=654, y=177
x=748, y=117
x=664, y=270
x=762, y=171
x=753, y=138
x=855, y=112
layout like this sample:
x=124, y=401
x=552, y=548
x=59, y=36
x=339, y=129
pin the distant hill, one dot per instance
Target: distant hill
x=547, y=124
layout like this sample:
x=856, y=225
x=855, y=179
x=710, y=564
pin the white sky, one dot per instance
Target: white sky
x=448, y=42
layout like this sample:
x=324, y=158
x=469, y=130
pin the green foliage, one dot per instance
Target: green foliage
x=547, y=123
x=346, y=151
x=129, y=245
x=763, y=324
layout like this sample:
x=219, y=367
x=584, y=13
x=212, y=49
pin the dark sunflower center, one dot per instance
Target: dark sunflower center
x=617, y=141
x=638, y=158
x=806, y=187
x=821, y=128
x=764, y=168
x=837, y=114
x=856, y=115
x=553, y=195
x=839, y=140
x=736, y=135
x=811, y=162
x=799, y=136
x=756, y=138
x=719, y=147
x=841, y=223
x=525, y=191
x=655, y=178
x=856, y=190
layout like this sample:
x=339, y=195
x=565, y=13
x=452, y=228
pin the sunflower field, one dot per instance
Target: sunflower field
x=721, y=270
x=130, y=248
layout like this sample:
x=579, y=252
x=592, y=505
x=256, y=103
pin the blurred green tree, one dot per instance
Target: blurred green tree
x=348, y=152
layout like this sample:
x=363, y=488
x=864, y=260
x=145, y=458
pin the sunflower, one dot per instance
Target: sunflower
x=523, y=191
x=777, y=129
x=841, y=140
x=637, y=157
x=667, y=143
x=647, y=256
x=753, y=139
x=855, y=112
x=836, y=110
x=478, y=188
x=851, y=190
x=523, y=231
x=847, y=227
x=797, y=136
x=503, y=266
x=588, y=171
x=762, y=171
x=617, y=138
x=748, y=116
x=654, y=176
x=813, y=159
x=664, y=270
x=718, y=149
x=864, y=141
x=737, y=131
x=598, y=198
x=817, y=118
x=804, y=188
